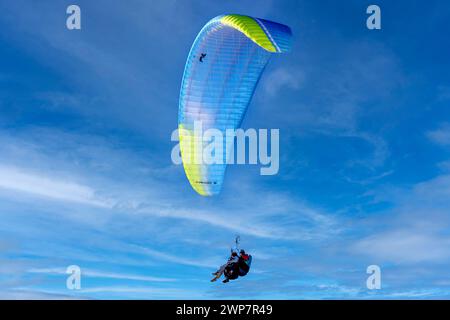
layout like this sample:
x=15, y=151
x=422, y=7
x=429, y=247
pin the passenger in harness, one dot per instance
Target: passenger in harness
x=236, y=266
x=232, y=260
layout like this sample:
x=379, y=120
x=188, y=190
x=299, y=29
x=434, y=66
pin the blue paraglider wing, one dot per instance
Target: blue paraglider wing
x=222, y=70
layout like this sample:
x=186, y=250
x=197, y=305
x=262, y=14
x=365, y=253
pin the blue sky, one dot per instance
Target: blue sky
x=86, y=176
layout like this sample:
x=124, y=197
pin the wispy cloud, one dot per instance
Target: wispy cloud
x=416, y=232
x=146, y=292
x=49, y=178
x=102, y=274
x=12, y=178
x=178, y=259
x=27, y=294
x=283, y=78
x=405, y=246
x=441, y=135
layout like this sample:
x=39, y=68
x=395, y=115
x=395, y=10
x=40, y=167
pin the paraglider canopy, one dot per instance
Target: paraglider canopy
x=222, y=70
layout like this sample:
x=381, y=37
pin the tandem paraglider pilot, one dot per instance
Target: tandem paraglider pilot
x=236, y=266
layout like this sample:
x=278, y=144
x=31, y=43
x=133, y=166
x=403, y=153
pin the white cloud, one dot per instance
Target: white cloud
x=195, y=262
x=283, y=78
x=26, y=181
x=148, y=292
x=26, y=294
x=19, y=180
x=47, y=176
x=436, y=190
x=415, y=294
x=440, y=136
x=239, y=224
x=415, y=229
x=102, y=274
x=405, y=246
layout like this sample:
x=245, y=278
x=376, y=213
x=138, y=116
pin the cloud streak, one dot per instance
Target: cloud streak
x=102, y=274
x=15, y=179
